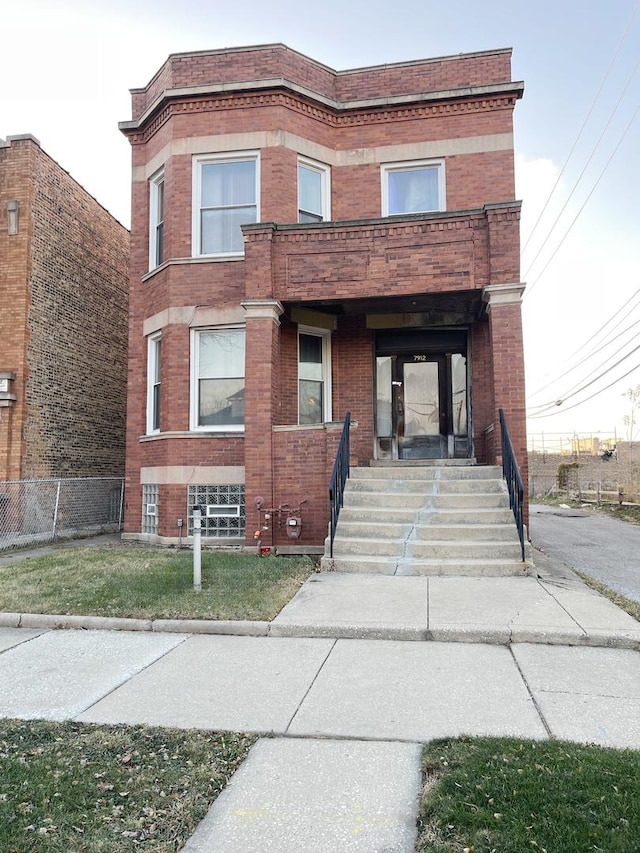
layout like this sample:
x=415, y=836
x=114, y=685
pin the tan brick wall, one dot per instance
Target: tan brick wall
x=16, y=166
x=69, y=278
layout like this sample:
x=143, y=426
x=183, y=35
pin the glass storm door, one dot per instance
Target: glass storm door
x=421, y=406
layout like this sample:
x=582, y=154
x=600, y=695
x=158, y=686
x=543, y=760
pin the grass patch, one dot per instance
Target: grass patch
x=494, y=795
x=630, y=514
x=74, y=788
x=624, y=603
x=148, y=583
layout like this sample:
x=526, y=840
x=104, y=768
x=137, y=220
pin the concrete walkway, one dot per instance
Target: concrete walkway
x=349, y=680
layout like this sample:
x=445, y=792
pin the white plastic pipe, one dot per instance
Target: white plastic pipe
x=197, y=549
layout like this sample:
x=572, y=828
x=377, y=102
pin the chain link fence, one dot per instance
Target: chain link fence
x=36, y=511
x=600, y=478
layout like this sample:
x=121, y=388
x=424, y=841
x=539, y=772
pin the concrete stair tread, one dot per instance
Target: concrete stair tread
x=412, y=520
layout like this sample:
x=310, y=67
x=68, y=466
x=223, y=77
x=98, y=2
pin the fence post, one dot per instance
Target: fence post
x=55, y=511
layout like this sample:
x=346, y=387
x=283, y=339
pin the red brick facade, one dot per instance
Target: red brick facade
x=436, y=281
x=64, y=281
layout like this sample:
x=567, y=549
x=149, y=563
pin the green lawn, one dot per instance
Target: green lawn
x=74, y=788
x=491, y=795
x=130, y=581
x=621, y=601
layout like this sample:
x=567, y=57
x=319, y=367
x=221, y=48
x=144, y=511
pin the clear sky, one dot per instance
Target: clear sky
x=68, y=65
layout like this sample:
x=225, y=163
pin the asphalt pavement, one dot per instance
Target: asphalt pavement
x=606, y=549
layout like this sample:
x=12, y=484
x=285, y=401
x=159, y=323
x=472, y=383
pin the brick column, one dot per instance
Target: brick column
x=261, y=399
x=505, y=324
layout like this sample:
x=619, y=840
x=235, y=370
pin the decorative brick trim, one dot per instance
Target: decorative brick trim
x=191, y=104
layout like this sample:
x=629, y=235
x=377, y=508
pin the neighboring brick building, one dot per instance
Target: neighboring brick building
x=305, y=243
x=64, y=286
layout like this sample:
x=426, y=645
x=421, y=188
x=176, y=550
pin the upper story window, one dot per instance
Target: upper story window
x=314, y=191
x=416, y=187
x=156, y=220
x=225, y=196
x=314, y=376
x=154, y=353
x=217, y=386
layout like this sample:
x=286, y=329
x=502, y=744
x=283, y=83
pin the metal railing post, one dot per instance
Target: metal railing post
x=513, y=477
x=339, y=477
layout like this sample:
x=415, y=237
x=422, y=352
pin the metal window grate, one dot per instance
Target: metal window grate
x=150, y=509
x=223, y=523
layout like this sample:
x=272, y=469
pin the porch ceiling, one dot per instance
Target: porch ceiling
x=460, y=308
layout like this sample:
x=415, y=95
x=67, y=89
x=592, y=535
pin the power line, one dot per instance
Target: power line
x=584, y=204
x=584, y=169
x=559, y=402
x=595, y=335
x=586, y=400
x=587, y=358
x=584, y=123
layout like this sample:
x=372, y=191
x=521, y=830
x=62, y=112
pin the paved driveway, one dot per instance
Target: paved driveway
x=604, y=548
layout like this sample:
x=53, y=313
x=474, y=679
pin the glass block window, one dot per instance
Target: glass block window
x=150, y=508
x=223, y=510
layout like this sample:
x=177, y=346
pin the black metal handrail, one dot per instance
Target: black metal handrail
x=511, y=473
x=339, y=477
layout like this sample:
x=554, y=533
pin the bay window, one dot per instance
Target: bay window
x=154, y=351
x=217, y=388
x=156, y=220
x=225, y=196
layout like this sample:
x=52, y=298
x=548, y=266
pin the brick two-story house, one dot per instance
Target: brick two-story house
x=307, y=242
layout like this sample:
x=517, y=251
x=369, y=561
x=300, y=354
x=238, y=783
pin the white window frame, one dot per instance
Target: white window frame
x=325, y=334
x=201, y=160
x=325, y=185
x=218, y=511
x=154, y=378
x=155, y=182
x=387, y=168
x=194, y=405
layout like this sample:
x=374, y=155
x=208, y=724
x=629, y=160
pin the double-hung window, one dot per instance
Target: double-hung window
x=413, y=187
x=314, y=191
x=154, y=361
x=226, y=196
x=156, y=220
x=314, y=376
x=217, y=399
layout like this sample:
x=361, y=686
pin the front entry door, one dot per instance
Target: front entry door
x=421, y=406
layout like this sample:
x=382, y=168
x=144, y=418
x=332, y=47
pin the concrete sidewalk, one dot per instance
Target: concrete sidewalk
x=345, y=688
x=348, y=716
x=555, y=607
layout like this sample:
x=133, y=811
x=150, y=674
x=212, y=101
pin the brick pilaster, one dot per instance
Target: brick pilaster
x=261, y=402
x=505, y=323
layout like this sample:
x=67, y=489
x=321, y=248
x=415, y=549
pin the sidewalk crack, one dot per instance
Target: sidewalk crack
x=562, y=607
x=530, y=692
x=308, y=690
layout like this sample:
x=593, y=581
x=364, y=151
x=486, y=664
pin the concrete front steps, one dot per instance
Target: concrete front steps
x=431, y=519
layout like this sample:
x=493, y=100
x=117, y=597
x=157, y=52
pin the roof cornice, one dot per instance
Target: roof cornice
x=514, y=89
